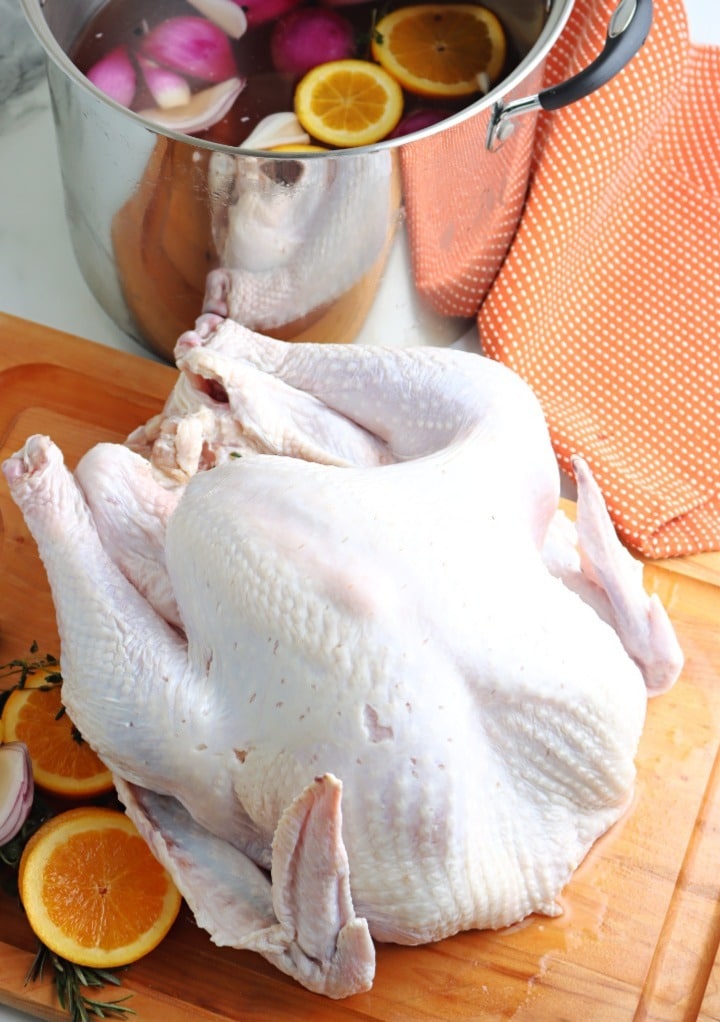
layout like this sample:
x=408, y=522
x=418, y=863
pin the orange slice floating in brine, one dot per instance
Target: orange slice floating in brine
x=348, y=103
x=441, y=50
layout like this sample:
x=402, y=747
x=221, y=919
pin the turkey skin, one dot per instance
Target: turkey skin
x=356, y=676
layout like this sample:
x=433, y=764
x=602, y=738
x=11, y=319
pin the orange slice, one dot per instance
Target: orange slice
x=63, y=763
x=92, y=890
x=348, y=103
x=441, y=49
x=297, y=147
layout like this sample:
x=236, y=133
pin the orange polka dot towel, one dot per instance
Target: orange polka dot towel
x=608, y=302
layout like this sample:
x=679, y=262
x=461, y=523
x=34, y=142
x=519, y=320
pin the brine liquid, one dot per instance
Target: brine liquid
x=267, y=91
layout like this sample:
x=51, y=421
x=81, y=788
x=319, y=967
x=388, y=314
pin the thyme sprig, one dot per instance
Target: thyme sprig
x=71, y=982
x=24, y=669
x=364, y=39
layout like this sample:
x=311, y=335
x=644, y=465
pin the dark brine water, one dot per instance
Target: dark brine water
x=267, y=90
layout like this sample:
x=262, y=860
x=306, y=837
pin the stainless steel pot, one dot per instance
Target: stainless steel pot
x=395, y=243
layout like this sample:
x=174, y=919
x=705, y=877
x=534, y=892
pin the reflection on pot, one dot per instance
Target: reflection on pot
x=293, y=248
x=295, y=235
x=162, y=242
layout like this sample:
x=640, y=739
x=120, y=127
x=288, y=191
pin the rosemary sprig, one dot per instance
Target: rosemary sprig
x=71, y=982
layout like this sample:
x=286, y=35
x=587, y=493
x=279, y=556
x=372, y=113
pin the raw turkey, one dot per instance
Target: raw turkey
x=356, y=676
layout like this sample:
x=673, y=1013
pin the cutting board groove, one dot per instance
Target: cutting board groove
x=640, y=933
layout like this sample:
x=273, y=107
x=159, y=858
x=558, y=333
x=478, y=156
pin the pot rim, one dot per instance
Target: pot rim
x=555, y=22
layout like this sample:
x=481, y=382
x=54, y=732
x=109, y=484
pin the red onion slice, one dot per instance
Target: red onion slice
x=309, y=36
x=258, y=12
x=418, y=120
x=192, y=46
x=114, y=75
x=16, y=789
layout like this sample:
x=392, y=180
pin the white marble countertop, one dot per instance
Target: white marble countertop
x=39, y=278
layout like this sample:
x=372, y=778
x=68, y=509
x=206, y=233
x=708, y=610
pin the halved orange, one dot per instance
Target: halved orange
x=441, y=50
x=63, y=763
x=92, y=890
x=348, y=103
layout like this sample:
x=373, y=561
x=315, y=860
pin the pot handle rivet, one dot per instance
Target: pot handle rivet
x=627, y=31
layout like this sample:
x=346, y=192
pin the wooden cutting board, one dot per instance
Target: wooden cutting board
x=639, y=936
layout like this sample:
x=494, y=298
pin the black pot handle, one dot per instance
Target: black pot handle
x=627, y=31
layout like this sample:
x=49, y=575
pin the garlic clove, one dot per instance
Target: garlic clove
x=16, y=789
x=167, y=88
x=191, y=46
x=282, y=128
x=205, y=109
x=226, y=14
x=114, y=75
